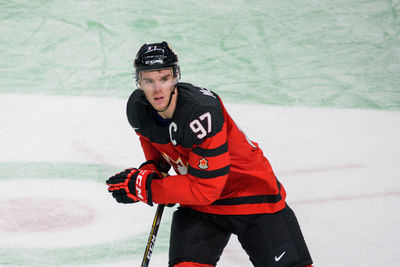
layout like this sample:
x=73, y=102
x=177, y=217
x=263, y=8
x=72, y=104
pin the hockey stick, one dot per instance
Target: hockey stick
x=153, y=235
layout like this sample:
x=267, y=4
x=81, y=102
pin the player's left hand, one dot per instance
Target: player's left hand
x=132, y=185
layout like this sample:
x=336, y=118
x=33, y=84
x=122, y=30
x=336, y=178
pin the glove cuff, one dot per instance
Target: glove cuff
x=143, y=186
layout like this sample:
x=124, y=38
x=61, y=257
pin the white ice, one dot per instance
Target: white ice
x=340, y=168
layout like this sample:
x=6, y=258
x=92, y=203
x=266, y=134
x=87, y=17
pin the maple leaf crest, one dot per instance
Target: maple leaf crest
x=203, y=164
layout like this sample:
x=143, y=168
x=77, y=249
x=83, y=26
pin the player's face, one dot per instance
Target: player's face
x=157, y=86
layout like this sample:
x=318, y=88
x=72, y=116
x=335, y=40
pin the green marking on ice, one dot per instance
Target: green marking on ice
x=56, y=170
x=125, y=249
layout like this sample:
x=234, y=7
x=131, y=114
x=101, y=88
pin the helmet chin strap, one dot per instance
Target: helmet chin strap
x=169, y=101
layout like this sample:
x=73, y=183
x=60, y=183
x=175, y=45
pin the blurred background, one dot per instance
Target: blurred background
x=312, y=53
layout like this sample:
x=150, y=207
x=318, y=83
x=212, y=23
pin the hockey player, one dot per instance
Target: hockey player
x=224, y=184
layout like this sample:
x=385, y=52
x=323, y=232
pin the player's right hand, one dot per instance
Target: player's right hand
x=122, y=186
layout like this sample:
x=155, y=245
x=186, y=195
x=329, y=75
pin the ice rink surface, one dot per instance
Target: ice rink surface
x=315, y=83
x=339, y=166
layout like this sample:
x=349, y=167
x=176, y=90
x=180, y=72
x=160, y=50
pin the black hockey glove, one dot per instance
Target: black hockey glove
x=132, y=185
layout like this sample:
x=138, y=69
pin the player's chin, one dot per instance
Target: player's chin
x=159, y=106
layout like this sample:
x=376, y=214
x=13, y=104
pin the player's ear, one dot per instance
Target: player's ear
x=139, y=84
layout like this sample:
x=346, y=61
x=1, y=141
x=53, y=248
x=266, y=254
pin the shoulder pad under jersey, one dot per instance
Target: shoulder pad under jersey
x=136, y=108
x=141, y=117
x=198, y=116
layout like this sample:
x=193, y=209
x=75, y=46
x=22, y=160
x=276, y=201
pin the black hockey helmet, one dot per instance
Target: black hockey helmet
x=154, y=57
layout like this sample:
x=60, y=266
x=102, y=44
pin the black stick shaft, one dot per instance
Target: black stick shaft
x=153, y=235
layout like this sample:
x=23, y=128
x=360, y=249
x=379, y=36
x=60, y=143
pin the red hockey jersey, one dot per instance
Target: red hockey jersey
x=218, y=169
